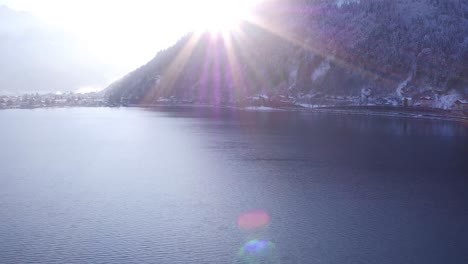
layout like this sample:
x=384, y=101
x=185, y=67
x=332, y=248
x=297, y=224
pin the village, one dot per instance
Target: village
x=315, y=101
x=29, y=101
x=366, y=101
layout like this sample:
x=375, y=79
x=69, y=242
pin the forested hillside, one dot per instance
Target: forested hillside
x=382, y=52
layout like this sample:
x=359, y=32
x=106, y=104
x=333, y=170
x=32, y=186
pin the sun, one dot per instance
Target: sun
x=222, y=15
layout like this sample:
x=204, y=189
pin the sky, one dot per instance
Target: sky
x=125, y=34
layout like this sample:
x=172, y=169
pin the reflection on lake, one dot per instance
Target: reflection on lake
x=201, y=185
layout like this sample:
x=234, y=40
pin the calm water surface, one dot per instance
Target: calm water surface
x=172, y=185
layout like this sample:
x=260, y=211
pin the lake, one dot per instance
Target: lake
x=203, y=185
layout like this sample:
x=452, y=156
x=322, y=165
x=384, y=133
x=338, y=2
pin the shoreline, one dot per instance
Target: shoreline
x=425, y=113
x=396, y=112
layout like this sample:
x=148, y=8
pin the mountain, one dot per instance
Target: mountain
x=35, y=57
x=383, y=52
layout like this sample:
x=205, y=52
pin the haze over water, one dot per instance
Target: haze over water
x=198, y=185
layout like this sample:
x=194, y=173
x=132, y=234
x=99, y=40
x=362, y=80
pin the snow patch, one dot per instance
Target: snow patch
x=321, y=70
x=261, y=108
x=447, y=101
x=402, y=85
x=340, y=3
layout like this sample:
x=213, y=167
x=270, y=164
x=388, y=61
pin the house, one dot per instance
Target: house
x=257, y=100
x=425, y=101
x=407, y=102
x=462, y=105
x=281, y=101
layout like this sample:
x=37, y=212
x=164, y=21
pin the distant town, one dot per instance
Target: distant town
x=52, y=100
x=318, y=102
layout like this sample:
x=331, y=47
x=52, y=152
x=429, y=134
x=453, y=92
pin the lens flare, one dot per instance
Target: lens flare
x=258, y=251
x=253, y=220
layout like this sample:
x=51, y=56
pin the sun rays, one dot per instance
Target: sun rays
x=226, y=61
x=230, y=64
